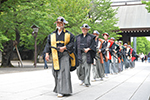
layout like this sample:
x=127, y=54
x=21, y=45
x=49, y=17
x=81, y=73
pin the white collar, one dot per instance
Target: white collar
x=59, y=32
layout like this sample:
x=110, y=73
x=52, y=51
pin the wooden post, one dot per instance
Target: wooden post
x=19, y=55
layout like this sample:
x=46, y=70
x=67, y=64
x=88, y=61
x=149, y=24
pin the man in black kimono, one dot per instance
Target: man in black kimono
x=63, y=41
x=132, y=55
x=85, y=48
x=121, y=54
x=126, y=61
x=98, y=66
x=113, y=68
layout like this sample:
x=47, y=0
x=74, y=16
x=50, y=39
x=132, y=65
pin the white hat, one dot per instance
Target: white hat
x=96, y=32
x=85, y=26
x=61, y=19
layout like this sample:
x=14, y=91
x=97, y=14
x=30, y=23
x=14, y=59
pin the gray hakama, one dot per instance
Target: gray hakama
x=117, y=67
x=83, y=71
x=113, y=68
x=63, y=77
x=100, y=68
x=127, y=63
x=121, y=65
x=94, y=70
x=132, y=63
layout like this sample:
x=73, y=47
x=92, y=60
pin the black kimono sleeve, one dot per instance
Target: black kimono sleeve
x=93, y=45
x=133, y=53
x=75, y=46
x=47, y=46
x=93, y=49
x=70, y=45
x=103, y=49
x=117, y=47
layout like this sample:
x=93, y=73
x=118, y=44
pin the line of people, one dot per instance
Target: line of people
x=105, y=56
x=119, y=57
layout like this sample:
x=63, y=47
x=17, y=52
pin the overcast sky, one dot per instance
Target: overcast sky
x=148, y=38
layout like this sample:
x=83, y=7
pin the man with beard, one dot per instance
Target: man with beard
x=61, y=42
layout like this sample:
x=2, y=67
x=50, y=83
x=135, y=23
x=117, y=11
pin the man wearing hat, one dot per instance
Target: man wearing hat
x=98, y=66
x=121, y=52
x=126, y=61
x=107, y=49
x=63, y=40
x=85, y=49
x=117, y=48
x=113, y=68
x=132, y=55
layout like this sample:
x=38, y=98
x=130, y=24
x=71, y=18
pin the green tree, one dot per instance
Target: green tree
x=102, y=17
x=74, y=11
x=17, y=16
x=147, y=5
x=142, y=45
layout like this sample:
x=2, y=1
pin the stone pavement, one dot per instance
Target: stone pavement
x=28, y=65
x=131, y=84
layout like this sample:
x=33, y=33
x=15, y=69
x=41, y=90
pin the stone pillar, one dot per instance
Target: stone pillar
x=134, y=43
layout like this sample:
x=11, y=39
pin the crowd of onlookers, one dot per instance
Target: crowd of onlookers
x=145, y=57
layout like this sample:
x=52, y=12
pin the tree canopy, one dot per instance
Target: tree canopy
x=147, y=5
x=17, y=17
x=142, y=45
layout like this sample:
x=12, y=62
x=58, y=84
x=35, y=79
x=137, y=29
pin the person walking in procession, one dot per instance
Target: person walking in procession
x=132, y=55
x=121, y=51
x=113, y=68
x=85, y=47
x=106, y=50
x=98, y=66
x=126, y=61
x=59, y=43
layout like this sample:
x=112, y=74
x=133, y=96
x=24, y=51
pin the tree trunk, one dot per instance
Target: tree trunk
x=6, y=54
x=8, y=50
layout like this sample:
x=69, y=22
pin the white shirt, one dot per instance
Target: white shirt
x=142, y=56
